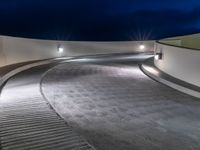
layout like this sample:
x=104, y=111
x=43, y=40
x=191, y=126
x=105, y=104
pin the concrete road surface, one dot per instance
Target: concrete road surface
x=117, y=107
x=104, y=105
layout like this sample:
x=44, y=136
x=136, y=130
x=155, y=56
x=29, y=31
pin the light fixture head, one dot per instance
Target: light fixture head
x=60, y=49
x=158, y=56
x=142, y=47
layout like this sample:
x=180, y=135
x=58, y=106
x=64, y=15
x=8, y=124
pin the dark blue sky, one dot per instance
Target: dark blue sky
x=99, y=20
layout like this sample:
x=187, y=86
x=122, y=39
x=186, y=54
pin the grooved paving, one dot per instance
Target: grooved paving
x=117, y=107
x=28, y=123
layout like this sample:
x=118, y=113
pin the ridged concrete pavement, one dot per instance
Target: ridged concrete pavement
x=27, y=122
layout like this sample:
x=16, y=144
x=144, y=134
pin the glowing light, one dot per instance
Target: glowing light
x=158, y=56
x=60, y=50
x=142, y=47
x=151, y=69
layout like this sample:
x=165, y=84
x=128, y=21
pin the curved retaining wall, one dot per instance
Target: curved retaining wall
x=15, y=50
x=181, y=63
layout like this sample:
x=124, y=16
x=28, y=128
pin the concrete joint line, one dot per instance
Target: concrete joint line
x=171, y=84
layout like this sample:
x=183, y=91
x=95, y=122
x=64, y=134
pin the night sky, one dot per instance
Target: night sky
x=99, y=20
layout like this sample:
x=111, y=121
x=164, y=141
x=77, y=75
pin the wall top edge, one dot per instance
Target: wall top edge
x=180, y=37
x=23, y=38
x=175, y=46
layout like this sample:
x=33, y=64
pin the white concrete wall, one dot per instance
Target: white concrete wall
x=15, y=50
x=180, y=63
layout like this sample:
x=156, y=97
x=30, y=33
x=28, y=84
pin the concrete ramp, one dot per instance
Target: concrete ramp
x=28, y=122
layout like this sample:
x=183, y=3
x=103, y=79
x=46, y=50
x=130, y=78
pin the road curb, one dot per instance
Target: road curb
x=165, y=81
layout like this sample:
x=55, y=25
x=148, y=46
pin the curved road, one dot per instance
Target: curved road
x=27, y=120
x=106, y=105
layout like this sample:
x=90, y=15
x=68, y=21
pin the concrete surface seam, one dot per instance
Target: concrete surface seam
x=43, y=95
x=10, y=74
x=26, y=67
x=170, y=84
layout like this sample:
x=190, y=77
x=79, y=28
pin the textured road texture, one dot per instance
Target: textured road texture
x=27, y=122
x=117, y=107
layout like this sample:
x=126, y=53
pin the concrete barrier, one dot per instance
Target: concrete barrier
x=181, y=63
x=15, y=50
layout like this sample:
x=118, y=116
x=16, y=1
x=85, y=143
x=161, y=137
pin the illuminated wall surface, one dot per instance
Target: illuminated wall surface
x=181, y=55
x=181, y=58
x=15, y=50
